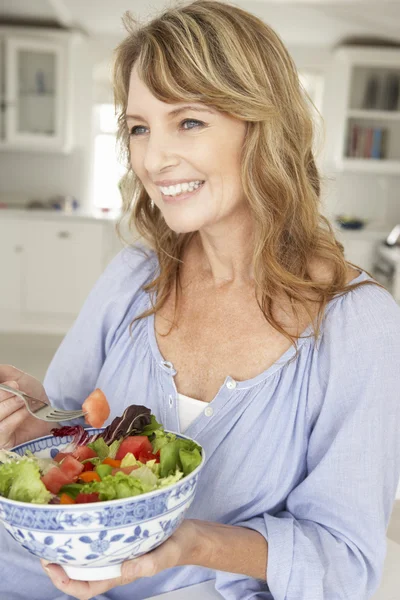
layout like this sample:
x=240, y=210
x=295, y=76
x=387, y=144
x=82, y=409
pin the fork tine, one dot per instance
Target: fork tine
x=56, y=418
x=67, y=413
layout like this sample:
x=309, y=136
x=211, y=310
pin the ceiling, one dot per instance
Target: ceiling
x=299, y=22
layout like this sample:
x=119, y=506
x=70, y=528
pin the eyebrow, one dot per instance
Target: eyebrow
x=176, y=111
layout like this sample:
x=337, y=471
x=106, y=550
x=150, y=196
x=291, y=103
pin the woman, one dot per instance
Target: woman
x=243, y=327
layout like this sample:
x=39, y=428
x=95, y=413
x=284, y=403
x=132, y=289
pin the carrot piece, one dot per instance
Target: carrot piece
x=66, y=499
x=88, y=476
x=112, y=462
x=96, y=408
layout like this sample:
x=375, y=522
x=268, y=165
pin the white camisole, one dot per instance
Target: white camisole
x=189, y=410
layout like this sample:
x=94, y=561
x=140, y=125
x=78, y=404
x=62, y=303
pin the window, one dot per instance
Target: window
x=107, y=171
x=313, y=83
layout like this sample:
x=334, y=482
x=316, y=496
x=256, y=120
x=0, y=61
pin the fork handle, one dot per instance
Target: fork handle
x=14, y=391
x=18, y=392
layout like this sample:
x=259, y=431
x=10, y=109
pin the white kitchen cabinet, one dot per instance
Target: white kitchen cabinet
x=48, y=268
x=361, y=109
x=60, y=266
x=10, y=267
x=36, y=90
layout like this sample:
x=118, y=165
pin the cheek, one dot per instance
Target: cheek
x=135, y=161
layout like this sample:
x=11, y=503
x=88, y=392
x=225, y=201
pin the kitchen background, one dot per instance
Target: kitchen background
x=59, y=172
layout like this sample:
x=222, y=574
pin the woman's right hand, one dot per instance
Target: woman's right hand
x=16, y=424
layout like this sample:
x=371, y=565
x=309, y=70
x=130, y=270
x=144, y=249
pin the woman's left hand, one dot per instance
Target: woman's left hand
x=178, y=550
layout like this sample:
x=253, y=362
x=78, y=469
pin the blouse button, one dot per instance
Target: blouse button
x=209, y=411
x=231, y=384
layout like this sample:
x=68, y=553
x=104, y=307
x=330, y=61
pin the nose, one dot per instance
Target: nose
x=159, y=154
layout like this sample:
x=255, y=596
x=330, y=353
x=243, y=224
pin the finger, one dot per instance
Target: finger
x=9, y=402
x=10, y=373
x=83, y=590
x=13, y=384
x=163, y=557
x=77, y=589
x=10, y=424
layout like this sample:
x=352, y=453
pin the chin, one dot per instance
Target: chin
x=187, y=224
x=182, y=227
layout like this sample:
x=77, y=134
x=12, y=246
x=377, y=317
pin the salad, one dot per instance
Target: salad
x=132, y=456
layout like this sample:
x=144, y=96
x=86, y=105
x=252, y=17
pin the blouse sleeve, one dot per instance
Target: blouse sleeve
x=330, y=541
x=75, y=368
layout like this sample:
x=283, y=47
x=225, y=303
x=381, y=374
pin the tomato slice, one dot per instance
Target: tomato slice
x=71, y=467
x=96, y=408
x=86, y=498
x=54, y=479
x=134, y=444
x=83, y=453
x=60, y=456
x=88, y=467
x=145, y=456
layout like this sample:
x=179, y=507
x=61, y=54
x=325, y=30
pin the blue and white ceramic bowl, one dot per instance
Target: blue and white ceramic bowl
x=90, y=541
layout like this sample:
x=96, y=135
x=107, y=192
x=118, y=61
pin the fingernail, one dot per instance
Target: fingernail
x=47, y=570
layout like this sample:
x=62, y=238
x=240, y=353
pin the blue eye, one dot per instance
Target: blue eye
x=133, y=131
x=195, y=121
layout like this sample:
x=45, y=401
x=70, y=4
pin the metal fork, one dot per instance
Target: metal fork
x=41, y=410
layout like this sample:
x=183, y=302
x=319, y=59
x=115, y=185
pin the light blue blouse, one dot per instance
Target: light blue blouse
x=307, y=453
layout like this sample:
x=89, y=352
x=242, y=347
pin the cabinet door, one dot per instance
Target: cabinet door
x=62, y=261
x=10, y=266
x=35, y=92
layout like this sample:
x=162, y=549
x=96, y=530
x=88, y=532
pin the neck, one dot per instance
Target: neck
x=226, y=252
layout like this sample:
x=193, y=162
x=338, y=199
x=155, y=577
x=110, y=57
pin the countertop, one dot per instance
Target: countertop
x=201, y=591
x=75, y=215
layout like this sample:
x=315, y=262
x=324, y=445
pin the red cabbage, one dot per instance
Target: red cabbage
x=132, y=422
x=80, y=434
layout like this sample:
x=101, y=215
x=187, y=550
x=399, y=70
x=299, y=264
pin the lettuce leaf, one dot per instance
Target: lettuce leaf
x=161, y=439
x=173, y=478
x=113, y=487
x=21, y=481
x=100, y=447
x=179, y=453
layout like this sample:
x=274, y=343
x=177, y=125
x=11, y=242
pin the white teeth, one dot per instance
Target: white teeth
x=175, y=190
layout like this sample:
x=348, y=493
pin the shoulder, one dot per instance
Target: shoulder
x=357, y=353
x=368, y=308
x=133, y=262
x=119, y=290
x=362, y=325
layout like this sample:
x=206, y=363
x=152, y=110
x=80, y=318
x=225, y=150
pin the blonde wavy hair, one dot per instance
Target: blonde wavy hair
x=227, y=58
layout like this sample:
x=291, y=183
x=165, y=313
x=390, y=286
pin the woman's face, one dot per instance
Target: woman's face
x=188, y=158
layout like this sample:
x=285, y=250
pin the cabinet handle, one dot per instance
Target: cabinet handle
x=63, y=234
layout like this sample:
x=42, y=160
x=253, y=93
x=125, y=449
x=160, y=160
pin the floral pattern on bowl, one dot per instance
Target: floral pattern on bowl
x=91, y=541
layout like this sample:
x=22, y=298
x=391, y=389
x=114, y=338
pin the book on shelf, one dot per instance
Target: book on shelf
x=367, y=142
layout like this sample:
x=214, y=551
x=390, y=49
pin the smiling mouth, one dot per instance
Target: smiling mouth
x=181, y=195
